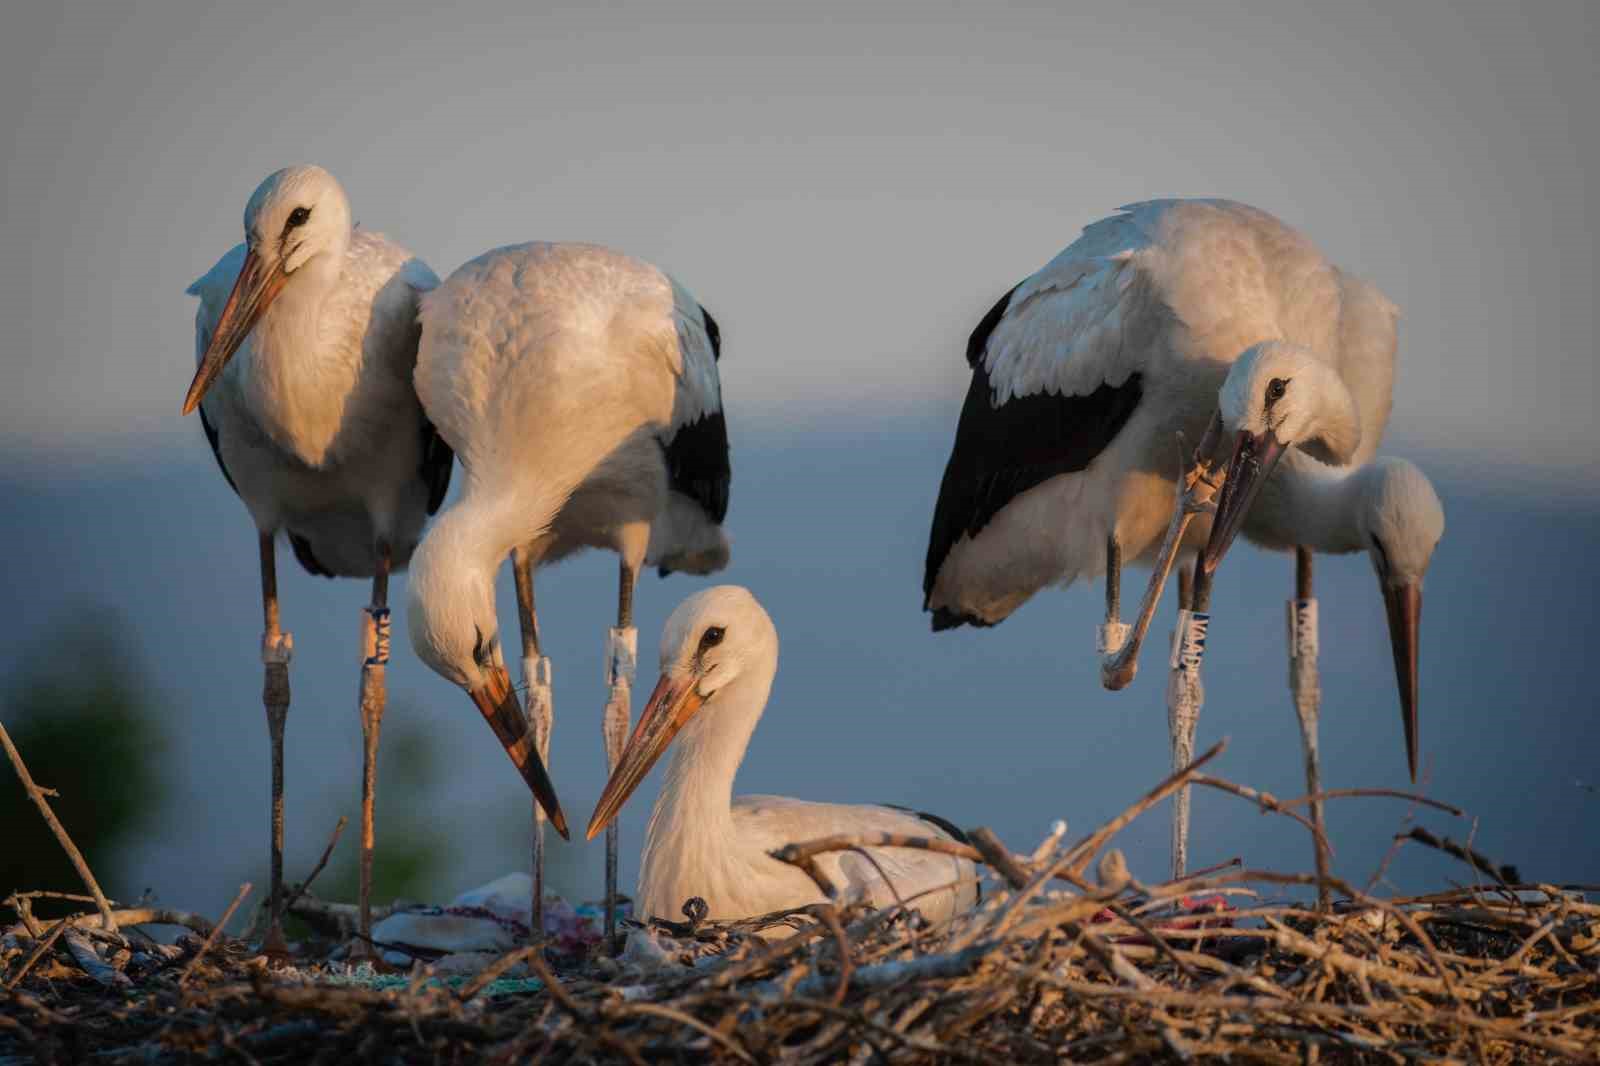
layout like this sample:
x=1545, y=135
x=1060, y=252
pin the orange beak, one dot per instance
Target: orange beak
x=1404, y=607
x=497, y=701
x=673, y=702
x=1248, y=469
x=255, y=290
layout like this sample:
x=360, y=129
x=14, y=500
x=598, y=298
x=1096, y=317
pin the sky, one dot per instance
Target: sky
x=848, y=187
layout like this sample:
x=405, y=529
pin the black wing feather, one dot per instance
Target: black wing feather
x=437, y=461
x=713, y=332
x=302, y=553
x=215, y=440
x=1003, y=451
x=697, y=463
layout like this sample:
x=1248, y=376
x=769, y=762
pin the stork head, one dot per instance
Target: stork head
x=715, y=639
x=1276, y=396
x=454, y=629
x=297, y=218
x=1401, y=520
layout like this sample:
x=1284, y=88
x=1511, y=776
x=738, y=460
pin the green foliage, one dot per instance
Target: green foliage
x=83, y=720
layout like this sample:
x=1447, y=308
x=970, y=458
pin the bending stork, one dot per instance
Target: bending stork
x=305, y=338
x=719, y=654
x=579, y=387
x=1387, y=509
x=1086, y=371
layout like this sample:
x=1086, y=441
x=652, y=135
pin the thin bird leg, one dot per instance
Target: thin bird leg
x=375, y=660
x=1110, y=636
x=277, y=648
x=1185, y=695
x=540, y=709
x=621, y=650
x=1196, y=488
x=1306, y=688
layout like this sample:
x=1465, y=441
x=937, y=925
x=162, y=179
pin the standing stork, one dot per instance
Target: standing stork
x=579, y=387
x=1387, y=509
x=1086, y=371
x=719, y=654
x=306, y=337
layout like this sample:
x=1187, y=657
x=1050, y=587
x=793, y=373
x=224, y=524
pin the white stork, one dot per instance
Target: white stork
x=1084, y=373
x=719, y=654
x=306, y=337
x=1387, y=509
x=579, y=388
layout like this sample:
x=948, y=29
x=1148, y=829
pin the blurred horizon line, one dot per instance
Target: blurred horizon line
x=25, y=460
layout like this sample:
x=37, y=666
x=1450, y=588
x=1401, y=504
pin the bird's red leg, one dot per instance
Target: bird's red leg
x=1196, y=487
x=1114, y=632
x=621, y=650
x=540, y=709
x=277, y=647
x=373, y=693
x=1306, y=688
x=1184, y=699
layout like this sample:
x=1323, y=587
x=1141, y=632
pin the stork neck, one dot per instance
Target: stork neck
x=1310, y=503
x=300, y=375
x=291, y=324
x=477, y=531
x=694, y=813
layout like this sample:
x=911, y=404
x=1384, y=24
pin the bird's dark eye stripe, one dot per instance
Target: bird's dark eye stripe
x=300, y=216
x=1276, y=388
x=712, y=637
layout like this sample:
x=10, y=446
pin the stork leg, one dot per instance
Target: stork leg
x=1114, y=633
x=621, y=651
x=1306, y=688
x=540, y=709
x=373, y=694
x=1185, y=695
x=1199, y=480
x=277, y=647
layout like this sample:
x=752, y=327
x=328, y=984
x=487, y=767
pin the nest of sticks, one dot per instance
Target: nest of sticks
x=1068, y=958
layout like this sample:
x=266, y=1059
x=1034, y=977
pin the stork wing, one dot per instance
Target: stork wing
x=1055, y=376
x=697, y=443
x=212, y=288
x=437, y=457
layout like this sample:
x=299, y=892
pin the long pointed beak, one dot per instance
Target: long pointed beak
x=256, y=288
x=1248, y=469
x=1404, y=604
x=497, y=700
x=672, y=704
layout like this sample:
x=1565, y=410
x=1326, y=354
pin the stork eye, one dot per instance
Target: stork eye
x=1276, y=388
x=482, y=649
x=299, y=216
x=712, y=637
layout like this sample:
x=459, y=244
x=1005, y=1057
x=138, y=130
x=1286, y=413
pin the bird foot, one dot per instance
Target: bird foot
x=1199, y=480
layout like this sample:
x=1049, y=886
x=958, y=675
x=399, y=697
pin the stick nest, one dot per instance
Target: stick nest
x=1059, y=963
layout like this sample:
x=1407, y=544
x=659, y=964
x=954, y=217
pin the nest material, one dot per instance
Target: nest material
x=1053, y=966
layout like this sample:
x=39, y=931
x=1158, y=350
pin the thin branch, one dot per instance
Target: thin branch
x=216, y=930
x=38, y=794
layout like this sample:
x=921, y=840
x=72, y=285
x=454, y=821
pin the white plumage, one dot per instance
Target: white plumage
x=579, y=388
x=1085, y=372
x=719, y=655
x=314, y=418
x=1066, y=456
x=305, y=342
